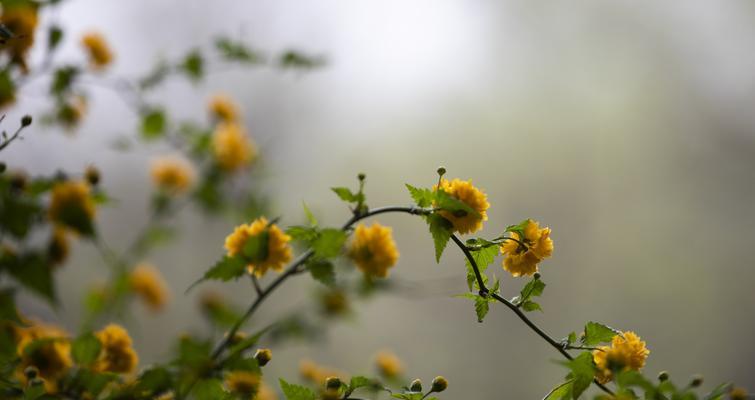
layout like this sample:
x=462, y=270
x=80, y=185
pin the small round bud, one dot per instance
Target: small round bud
x=361, y=176
x=663, y=376
x=441, y=171
x=26, y=120
x=31, y=372
x=333, y=383
x=263, y=356
x=697, y=380
x=439, y=384
x=416, y=386
x=2, y=167
x=92, y=175
x=536, y=276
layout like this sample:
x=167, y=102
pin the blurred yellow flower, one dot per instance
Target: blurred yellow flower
x=388, y=364
x=231, y=147
x=738, y=393
x=318, y=374
x=57, y=248
x=52, y=358
x=223, y=108
x=147, y=283
x=266, y=393
x=278, y=247
x=465, y=192
x=117, y=354
x=99, y=52
x=373, y=249
x=627, y=352
x=72, y=111
x=173, y=175
x=71, y=204
x=20, y=18
x=243, y=383
x=522, y=255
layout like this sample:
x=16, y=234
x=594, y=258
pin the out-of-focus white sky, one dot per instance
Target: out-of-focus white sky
x=626, y=126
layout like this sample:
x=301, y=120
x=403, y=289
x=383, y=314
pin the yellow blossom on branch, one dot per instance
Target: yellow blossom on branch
x=523, y=254
x=21, y=18
x=626, y=352
x=172, y=175
x=52, y=358
x=117, y=354
x=276, y=254
x=473, y=197
x=231, y=147
x=388, y=364
x=147, y=283
x=72, y=206
x=223, y=108
x=98, y=50
x=373, y=249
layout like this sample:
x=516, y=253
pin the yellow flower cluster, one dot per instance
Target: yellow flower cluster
x=373, y=250
x=223, y=108
x=278, y=247
x=172, y=175
x=231, y=147
x=20, y=18
x=52, y=358
x=318, y=374
x=99, y=52
x=117, y=354
x=388, y=364
x=523, y=254
x=243, y=383
x=147, y=283
x=71, y=198
x=626, y=352
x=465, y=192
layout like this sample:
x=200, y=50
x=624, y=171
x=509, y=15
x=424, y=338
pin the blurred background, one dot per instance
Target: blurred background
x=625, y=126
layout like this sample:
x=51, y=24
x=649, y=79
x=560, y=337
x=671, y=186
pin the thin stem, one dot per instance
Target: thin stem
x=12, y=138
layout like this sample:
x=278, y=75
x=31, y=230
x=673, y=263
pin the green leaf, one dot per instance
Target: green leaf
x=329, y=243
x=153, y=124
x=211, y=389
x=193, y=65
x=8, y=310
x=86, y=349
x=224, y=270
x=293, y=59
x=560, y=392
x=483, y=258
x=596, y=333
x=582, y=371
x=518, y=228
x=232, y=50
x=63, y=79
x=422, y=197
x=458, y=208
x=310, y=217
x=153, y=380
x=322, y=271
x=54, y=36
x=533, y=288
x=359, y=382
x=32, y=271
x=440, y=229
x=257, y=247
x=346, y=195
x=530, y=305
x=481, y=307
x=296, y=392
x=719, y=392
x=302, y=233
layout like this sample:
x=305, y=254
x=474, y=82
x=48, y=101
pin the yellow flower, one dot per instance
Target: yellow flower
x=738, y=393
x=148, y=284
x=243, y=383
x=52, y=358
x=373, y=249
x=522, y=255
x=117, y=354
x=223, y=108
x=465, y=192
x=100, y=55
x=627, y=352
x=57, y=249
x=266, y=393
x=278, y=248
x=318, y=374
x=71, y=205
x=231, y=147
x=388, y=364
x=173, y=175
x=72, y=111
x=21, y=19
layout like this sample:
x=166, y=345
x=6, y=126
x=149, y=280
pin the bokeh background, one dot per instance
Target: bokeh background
x=625, y=126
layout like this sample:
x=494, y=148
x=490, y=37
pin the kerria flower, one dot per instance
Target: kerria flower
x=223, y=108
x=172, y=175
x=626, y=352
x=278, y=252
x=373, y=250
x=231, y=147
x=98, y=50
x=149, y=285
x=473, y=197
x=523, y=254
x=117, y=354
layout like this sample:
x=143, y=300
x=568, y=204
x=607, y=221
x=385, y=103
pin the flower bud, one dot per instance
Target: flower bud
x=26, y=120
x=536, y=276
x=697, y=380
x=361, y=176
x=263, y=356
x=663, y=376
x=416, y=386
x=333, y=383
x=331, y=394
x=31, y=372
x=92, y=175
x=439, y=384
x=441, y=171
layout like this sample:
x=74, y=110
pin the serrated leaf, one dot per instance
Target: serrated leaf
x=329, y=243
x=346, y=195
x=582, y=373
x=310, y=217
x=481, y=308
x=302, y=233
x=322, y=271
x=483, y=258
x=440, y=229
x=533, y=288
x=224, y=270
x=211, y=389
x=85, y=349
x=445, y=201
x=530, y=305
x=422, y=197
x=296, y=392
x=560, y=392
x=596, y=333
